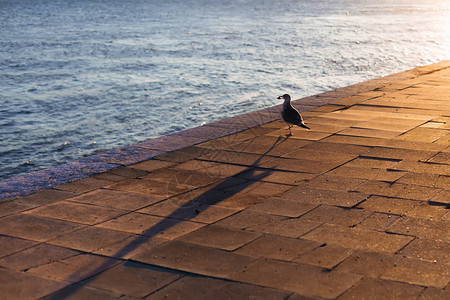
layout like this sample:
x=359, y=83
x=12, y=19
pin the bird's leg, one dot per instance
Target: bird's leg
x=290, y=132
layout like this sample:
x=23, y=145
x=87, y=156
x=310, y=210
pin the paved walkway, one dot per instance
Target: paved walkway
x=355, y=208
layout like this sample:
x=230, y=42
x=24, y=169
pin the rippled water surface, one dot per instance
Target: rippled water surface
x=80, y=76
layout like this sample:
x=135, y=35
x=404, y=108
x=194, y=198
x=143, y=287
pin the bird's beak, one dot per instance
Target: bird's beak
x=280, y=97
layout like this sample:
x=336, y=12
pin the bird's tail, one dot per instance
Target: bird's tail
x=303, y=125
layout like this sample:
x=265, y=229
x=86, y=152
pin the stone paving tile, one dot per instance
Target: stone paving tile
x=319, y=196
x=389, y=175
x=381, y=188
x=133, y=279
x=79, y=291
x=422, y=134
x=195, y=259
x=116, y=199
x=290, y=227
x=281, y=207
x=356, y=238
x=213, y=168
x=426, y=179
x=285, y=177
x=76, y=212
x=35, y=228
x=74, y=268
x=369, y=162
x=190, y=178
x=427, y=249
x=138, y=223
x=277, y=247
x=336, y=215
x=35, y=256
x=297, y=133
x=12, y=244
x=434, y=293
x=388, y=205
x=334, y=183
x=196, y=287
x=339, y=148
x=438, y=230
x=338, y=158
x=378, y=221
x=399, y=153
x=183, y=154
x=442, y=197
x=369, y=132
x=151, y=165
x=326, y=256
x=89, y=239
x=130, y=246
x=220, y=237
x=300, y=165
x=83, y=185
x=11, y=207
x=423, y=167
x=151, y=187
x=300, y=278
x=19, y=285
x=189, y=209
x=127, y=172
x=374, y=289
x=45, y=197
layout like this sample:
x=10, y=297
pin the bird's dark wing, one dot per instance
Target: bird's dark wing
x=291, y=115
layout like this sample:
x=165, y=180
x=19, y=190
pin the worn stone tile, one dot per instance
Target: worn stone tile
x=220, y=237
x=423, y=167
x=369, y=132
x=151, y=187
x=35, y=256
x=300, y=278
x=109, y=177
x=381, y=188
x=438, y=230
x=442, y=197
x=299, y=133
x=369, y=162
x=325, y=256
x=319, y=196
x=74, y=268
x=373, y=288
x=138, y=223
x=83, y=185
x=133, y=279
x=338, y=158
x=89, y=239
x=388, y=205
x=337, y=148
x=130, y=246
x=389, y=175
x=195, y=287
x=46, y=197
x=358, y=239
x=277, y=206
x=151, y=165
x=11, y=207
x=190, y=178
x=368, y=263
x=35, y=228
x=116, y=199
x=419, y=272
x=434, y=293
x=189, y=209
x=183, y=154
x=291, y=227
x=10, y=245
x=76, y=212
x=80, y=291
x=247, y=218
x=430, y=250
x=277, y=247
x=334, y=183
x=336, y=215
x=232, y=157
x=387, y=126
x=399, y=153
x=194, y=259
x=285, y=177
x=213, y=168
x=417, y=192
x=423, y=134
x=19, y=285
x=127, y=172
x=263, y=189
x=426, y=179
x=300, y=165
x=378, y=221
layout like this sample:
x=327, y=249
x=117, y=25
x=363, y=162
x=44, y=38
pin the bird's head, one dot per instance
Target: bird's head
x=285, y=97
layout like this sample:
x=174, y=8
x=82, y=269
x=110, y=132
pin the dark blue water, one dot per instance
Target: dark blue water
x=77, y=77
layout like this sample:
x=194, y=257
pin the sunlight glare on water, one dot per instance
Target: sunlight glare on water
x=77, y=77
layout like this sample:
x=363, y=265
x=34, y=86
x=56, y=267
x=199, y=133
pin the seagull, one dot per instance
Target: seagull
x=290, y=115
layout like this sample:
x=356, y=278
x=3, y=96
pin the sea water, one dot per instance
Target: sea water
x=79, y=77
